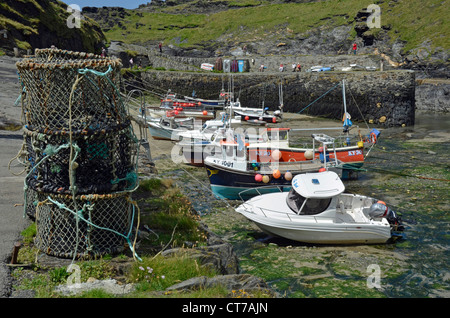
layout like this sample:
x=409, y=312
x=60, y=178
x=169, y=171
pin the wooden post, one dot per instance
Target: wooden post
x=15, y=252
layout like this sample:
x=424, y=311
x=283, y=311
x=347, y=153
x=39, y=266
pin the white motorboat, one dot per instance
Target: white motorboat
x=316, y=210
x=168, y=128
x=208, y=128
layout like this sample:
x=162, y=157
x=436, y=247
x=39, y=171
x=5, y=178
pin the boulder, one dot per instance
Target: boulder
x=233, y=283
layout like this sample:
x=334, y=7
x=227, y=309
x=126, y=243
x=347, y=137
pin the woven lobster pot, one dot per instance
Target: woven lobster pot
x=104, y=162
x=74, y=91
x=30, y=201
x=101, y=226
x=49, y=54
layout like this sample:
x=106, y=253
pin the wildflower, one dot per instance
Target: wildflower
x=141, y=268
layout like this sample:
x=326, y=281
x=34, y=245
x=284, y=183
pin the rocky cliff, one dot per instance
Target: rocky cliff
x=199, y=28
x=31, y=24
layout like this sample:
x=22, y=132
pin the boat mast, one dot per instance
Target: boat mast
x=343, y=97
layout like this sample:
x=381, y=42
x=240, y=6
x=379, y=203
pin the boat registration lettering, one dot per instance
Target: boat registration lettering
x=355, y=152
x=227, y=164
x=224, y=163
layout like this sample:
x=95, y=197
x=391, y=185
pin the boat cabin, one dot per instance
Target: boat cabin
x=233, y=150
x=312, y=193
x=172, y=123
x=276, y=135
x=233, y=154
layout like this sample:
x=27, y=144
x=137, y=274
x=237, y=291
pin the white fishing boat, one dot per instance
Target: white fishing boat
x=208, y=128
x=316, y=210
x=168, y=128
x=254, y=115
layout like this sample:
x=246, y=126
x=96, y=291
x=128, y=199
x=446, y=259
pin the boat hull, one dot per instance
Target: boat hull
x=162, y=134
x=337, y=234
x=157, y=113
x=249, y=116
x=195, y=154
x=352, y=156
x=208, y=103
x=342, y=222
x=236, y=185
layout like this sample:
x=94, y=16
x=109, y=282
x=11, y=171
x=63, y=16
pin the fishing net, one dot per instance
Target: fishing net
x=89, y=226
x=99, y=162
x=70, y=91
x=30, y=202
x=81, y=153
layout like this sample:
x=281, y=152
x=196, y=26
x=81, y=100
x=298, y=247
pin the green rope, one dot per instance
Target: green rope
x=86, y=70
x=79, y=214
x=319, y=98
x=131, y=177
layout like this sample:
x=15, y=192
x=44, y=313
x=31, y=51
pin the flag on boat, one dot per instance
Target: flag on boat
x=346, y=120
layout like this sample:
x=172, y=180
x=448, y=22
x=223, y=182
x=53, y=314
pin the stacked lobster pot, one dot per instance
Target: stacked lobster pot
x=81, y=153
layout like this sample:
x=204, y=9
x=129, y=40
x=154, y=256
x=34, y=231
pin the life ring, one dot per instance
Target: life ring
x=292, y=160
x=373, y=138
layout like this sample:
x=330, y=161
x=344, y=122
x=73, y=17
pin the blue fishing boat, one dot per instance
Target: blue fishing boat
x=233, y=175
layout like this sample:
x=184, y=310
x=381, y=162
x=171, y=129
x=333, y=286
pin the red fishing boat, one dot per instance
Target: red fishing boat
x=275, y=146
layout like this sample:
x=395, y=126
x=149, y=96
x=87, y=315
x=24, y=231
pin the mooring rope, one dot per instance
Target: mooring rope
x=323, y=95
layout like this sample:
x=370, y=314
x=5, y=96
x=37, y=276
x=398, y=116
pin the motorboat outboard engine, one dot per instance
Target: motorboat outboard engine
x=394, y=220
x=381, y=210
x=378, y=210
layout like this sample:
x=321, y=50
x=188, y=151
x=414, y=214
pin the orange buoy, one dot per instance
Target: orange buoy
x=276, y=173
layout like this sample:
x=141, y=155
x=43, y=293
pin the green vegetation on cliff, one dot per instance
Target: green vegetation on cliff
x=42, y=23
x=195, y=23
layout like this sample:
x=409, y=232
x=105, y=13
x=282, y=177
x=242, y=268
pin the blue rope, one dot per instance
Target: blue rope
x=319, y=97
x=79, y=214
x=86, y=70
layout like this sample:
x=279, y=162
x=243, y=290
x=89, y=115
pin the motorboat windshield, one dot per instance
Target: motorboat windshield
x=306, y=206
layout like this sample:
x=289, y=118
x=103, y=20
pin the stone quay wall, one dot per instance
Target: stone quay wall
x=385, y=98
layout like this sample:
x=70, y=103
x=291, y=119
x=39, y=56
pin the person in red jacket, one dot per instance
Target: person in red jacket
x=354, y=48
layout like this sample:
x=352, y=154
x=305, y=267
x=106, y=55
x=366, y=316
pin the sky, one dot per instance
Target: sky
x=127, y=4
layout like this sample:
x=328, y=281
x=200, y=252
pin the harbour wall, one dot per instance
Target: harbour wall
x=385, y=98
